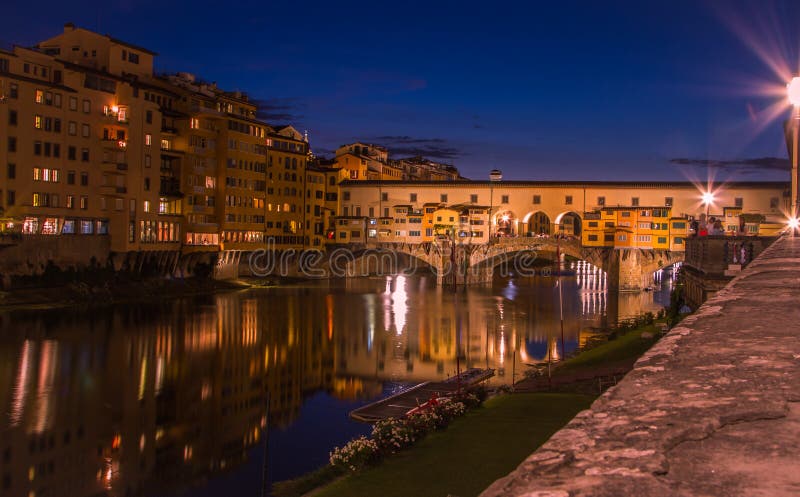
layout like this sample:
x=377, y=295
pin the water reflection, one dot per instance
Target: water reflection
x=142, y=399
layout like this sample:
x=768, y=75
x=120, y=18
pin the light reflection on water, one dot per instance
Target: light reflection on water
x=142, y=399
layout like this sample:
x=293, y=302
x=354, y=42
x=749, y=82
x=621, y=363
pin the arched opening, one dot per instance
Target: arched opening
x=537, y=223
x=568, y=224
x=505, y=224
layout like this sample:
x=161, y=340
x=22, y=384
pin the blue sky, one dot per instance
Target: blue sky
x=541, y=90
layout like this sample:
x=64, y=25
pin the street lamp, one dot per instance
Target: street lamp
x=495, y=175
x=708, y=199
x=793, y=94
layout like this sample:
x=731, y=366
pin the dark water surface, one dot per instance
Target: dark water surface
x=171, y=398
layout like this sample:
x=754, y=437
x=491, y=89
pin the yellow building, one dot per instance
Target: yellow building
x=634, y=227
x=82, y=142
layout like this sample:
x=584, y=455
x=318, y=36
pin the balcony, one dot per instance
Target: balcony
x=116, y=143
x=169, y=129
x=170, y=187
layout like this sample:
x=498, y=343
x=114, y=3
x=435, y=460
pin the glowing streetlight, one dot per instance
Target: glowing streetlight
x=793, y=91
x=793, y=224
x=793, y=94
x=708, y=199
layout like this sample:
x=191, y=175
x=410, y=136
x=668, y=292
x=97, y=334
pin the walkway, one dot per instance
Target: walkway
x=713, y=409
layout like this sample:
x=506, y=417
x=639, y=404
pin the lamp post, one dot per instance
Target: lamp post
x=708, y=199
x=793, y=94
x=495, y=175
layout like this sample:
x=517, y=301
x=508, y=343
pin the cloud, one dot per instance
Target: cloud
x=279, y=110
x=744, y=166
x=431, y=148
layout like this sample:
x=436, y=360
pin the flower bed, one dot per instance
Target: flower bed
x=394, y=434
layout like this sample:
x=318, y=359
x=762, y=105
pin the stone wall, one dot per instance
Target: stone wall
x=712, y=409
x=29, y=254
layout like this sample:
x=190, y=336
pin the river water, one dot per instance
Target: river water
x=170, y=398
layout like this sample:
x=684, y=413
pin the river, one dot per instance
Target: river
x=170, y=398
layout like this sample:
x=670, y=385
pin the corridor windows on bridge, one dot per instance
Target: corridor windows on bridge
x=473, y=198
x=601, y=201
x=384, y=197
x=537, y=199
x=443, y=198
x=635, y=201
x=568, y=200
x=412, y=197
x=773, y=202
x=738, y=202
x=346, y=196
x=504, y=199
x=668, y=201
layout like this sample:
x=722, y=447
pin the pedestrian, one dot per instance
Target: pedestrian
x=742, y=255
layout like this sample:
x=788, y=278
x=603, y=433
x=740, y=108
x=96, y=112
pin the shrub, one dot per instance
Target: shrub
x=391, y=435
x=355, y=454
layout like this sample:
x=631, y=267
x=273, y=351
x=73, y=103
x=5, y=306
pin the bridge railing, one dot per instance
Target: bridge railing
x=713, y=254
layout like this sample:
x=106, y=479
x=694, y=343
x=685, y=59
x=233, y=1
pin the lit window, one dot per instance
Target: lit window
x=148, y=139
x=39, y=96
x=37, y=122
x=147, y=206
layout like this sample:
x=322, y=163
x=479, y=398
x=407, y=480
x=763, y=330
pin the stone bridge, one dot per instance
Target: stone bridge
x=712, y=409
x=627, y=269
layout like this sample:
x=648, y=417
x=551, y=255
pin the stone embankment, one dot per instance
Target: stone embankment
x=713, y=409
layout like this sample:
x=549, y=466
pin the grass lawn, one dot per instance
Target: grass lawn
x=625, y=348
x=471, y=453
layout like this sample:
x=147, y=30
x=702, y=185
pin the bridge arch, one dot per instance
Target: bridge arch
x=569, y=223
x=386, y=259
x=536, y=223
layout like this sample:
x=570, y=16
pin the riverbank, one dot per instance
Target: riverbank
x=492, y=440
x=111, y=292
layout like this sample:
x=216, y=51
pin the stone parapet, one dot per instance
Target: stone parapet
x=712, y=409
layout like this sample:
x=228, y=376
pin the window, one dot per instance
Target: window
x=346, y=196
x=147, y=161
x=72, y=153
x=12, y=171
x=37, y=148
x=504, y=199
x=625, y=214
x=87, y=106
x=668, y=201
x=148, y=139
x=412, y=197
x=678, y=240
x=473, y=198
x=12, y=144
x=68, y=229
x=10, y=197
x=84, y=204
x=12, y=118
x=608, y=238
x=73, y=103
x=622, y=238
x=70, y=177
x=39, y=97
x=70, y=202
x=384, y=196
x=37, y=121
x=443, y=197
x=146, y=206
x=773, y=202
x=592, y=238
x=679, y=226
x=148, y=117
x=84, y=180
x=738, y=202
x=635, y=201
x=601, y=201
x=568, y=200
x=85, y=130
x=85, y=154
x=662, y=239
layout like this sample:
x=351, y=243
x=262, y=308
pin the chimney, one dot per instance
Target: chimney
x=69, y=27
